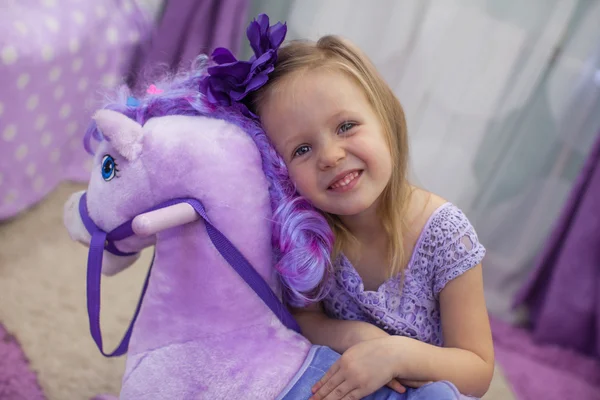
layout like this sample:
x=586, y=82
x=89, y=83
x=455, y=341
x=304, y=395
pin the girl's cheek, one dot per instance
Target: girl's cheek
x=300, y=180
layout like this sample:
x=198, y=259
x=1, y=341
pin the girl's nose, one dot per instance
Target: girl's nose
x=331, y=155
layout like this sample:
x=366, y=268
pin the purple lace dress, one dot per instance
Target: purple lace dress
x=447, y=247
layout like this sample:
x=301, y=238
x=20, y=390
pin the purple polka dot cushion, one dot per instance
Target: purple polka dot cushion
x=55, y=58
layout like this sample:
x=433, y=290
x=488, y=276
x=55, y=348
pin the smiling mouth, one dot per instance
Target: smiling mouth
x=346, y=180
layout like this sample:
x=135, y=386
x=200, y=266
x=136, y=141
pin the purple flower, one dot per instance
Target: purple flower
x=264, y=38
x=230, y=80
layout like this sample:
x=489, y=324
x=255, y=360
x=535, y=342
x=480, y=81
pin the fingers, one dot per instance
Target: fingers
x=397, y=386
x=342, y=391
x=353, y=395
x=328, y=383
x=330, y=372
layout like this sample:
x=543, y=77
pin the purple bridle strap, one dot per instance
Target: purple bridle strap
x=105, y=241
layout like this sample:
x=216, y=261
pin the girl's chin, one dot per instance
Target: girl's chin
x=350, y=210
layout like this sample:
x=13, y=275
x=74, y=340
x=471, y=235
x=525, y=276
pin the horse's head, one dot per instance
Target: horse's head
x=117, y=188
x=137, y=167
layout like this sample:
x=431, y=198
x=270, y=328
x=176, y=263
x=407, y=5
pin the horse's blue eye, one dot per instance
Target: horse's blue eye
x=109, y=168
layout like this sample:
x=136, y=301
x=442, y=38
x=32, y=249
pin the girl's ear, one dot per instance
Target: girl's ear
x=123, y=133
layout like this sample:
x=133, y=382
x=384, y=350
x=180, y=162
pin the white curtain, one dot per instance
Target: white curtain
x=502, y=100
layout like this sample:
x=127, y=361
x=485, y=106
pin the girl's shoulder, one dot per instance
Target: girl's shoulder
x=444, y=240
x=426, y=208
x=422, y=207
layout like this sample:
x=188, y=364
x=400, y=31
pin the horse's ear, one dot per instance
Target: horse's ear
x=123, y=133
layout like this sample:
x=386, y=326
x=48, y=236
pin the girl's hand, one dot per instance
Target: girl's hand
x=361, y=370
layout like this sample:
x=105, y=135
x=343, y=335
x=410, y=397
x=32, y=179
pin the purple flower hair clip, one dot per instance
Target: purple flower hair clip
x=230, y=80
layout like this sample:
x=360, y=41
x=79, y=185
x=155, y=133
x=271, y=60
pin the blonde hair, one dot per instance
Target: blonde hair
x=335, y=52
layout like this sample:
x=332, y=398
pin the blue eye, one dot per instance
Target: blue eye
x=109, y=168
x=346, y=126
x=301, y=150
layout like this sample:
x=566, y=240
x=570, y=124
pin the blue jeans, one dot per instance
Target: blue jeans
x=321, y=358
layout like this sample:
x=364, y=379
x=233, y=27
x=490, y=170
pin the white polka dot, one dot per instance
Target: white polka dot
x=100, y=60
x=21, y=152
x=9, y=132
x=21, y=27
x=74, y=45
x=46, y=139
x=54, y=74
x=77, y=63
x=112, y=35
x=100, y=11
x=10, y=197
x=134, y=37
x=74, y=144
x=49, y=3
x=22, y=81
x=9, y=55
x=1, y=108
x=109, y=80
x=30, y=169
x=40, y=122
x=38, y=183
x=65, y=111
x=54, y=156
x=32, y=102
x=79, y=17
x=47, y=52
x=72, y=128
x=59, y=92
x=82, y=84
x=52, y=24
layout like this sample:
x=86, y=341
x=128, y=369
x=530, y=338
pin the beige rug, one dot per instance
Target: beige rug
x=42, y=302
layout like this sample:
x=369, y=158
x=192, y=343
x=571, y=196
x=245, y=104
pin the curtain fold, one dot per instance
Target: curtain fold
x=563, y=292
x=186, y=29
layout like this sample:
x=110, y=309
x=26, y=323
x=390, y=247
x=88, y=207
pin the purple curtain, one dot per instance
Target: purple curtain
x=563, y=293
x=186, y=29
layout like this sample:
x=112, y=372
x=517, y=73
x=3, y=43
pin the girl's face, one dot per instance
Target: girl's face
x=332, y=142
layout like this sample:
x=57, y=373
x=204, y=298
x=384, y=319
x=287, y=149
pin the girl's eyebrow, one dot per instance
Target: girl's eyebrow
x=290, y=140
x=336, y=116
x=295, y=138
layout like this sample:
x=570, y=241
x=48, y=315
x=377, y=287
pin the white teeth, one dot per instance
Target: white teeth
x=345, y=180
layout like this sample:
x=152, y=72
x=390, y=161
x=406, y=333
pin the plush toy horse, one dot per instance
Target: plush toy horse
x=202, y=331
x=232, y=239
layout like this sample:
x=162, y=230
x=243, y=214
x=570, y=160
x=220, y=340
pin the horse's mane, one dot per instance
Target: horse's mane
x=302, y=239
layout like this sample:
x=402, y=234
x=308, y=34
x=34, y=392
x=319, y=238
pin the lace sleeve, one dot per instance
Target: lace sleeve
x=459, y=249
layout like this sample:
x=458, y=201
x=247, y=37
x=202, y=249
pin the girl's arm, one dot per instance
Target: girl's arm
x=339, y=335
x=467, y=360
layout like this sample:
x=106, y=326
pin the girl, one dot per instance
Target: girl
x=406, y=302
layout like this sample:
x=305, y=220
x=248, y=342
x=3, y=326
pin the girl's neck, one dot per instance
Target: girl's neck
x=366, y=227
